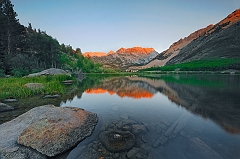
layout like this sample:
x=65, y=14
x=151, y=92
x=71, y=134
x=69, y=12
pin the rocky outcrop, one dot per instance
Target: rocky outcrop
x=45, y=131
x=51, y=71
x=5, y=107
x=124, y=57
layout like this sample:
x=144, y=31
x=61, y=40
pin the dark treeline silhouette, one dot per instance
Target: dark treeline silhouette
x=25, y=50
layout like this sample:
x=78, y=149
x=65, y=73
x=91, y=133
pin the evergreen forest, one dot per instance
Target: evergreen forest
x=25, y=50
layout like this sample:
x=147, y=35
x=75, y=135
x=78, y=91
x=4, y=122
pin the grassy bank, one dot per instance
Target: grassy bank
x=218, y=64
x=14, y=87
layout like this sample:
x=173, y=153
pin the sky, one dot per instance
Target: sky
x=104, y=25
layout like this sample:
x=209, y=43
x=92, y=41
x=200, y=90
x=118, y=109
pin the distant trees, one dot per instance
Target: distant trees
x=24, y=50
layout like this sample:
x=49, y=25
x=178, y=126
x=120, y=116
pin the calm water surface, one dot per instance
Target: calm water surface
x=181, y=116
x=171, y=116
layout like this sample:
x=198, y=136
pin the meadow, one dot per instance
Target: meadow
x=218, y=64
x=14, y=87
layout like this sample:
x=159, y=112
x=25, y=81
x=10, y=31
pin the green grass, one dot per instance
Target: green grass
x=217, y=64
x=14, y=87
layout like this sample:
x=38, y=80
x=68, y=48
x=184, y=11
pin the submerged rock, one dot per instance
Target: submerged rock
x=5, y=107
x=48, y=129
x=137, y=128
x=117, y=141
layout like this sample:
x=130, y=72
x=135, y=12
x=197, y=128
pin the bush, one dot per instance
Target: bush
x=19, y=72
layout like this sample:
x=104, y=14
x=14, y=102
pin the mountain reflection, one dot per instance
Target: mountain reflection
x=124, y=87
x=214, y=98
x=132, y=92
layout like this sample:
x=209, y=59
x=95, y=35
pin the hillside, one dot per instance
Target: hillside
x=124, y=57
x=219, y=40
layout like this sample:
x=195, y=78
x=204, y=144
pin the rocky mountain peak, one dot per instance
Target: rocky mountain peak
x=97, y=54
x=138, y=50
x=231, y=18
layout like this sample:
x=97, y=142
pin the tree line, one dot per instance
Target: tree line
x=25, y=50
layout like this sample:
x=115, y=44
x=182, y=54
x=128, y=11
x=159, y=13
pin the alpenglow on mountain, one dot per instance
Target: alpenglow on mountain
x=124, y=57
x=221, y=40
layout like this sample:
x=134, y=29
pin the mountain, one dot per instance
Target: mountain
x=124, y=57
x=219, y=40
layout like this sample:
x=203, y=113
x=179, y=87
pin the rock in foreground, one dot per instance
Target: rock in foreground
x=48, y=129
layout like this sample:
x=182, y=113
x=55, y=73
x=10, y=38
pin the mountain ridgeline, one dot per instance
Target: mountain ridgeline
x=124, y=57
x=221, y=40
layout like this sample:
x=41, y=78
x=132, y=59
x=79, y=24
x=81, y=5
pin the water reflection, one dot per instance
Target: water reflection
x=139, y=105
x=213, y=97
x=196, y=115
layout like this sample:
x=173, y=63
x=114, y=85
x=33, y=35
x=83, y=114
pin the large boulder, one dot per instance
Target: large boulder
x=45, y=131
x=51, y=71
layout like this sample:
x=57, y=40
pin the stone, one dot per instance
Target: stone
x=10, y=100
x=5, y=107
x=45, y=131
x=137, y=128
x=51, y=71
x=52, y=96
x=34, y=86
x=117, y=141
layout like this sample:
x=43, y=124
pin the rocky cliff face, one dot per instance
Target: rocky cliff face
x=213, y=41
x=124, y=57
x=220, y=40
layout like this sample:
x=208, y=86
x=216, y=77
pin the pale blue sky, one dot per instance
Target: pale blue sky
x=104, y=25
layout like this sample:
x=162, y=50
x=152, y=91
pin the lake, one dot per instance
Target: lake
x=169, y=116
